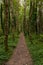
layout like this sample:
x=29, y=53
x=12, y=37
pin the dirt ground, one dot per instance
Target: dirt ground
x=21, y=55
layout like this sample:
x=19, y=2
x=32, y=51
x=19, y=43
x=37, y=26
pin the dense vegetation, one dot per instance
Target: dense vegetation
x=21, y=16
x=36, y=49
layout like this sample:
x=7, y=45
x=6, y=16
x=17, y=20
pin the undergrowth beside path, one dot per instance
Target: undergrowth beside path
x=36, y=49
x=4, y=56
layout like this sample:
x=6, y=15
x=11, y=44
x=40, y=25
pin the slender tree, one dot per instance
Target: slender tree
x=6, y=25
x=24, y=20
x=12, y=17
x=2, y=26
x=40, y=16
x=30, y=16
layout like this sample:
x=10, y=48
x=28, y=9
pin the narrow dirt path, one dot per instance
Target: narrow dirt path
x=21, y=55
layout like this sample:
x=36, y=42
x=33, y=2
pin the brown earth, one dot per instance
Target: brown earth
x=21, y=55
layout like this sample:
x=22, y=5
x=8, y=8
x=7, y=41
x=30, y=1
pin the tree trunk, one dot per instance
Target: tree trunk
x=6, y=25
x=24, y=20
x=40, y=17
x=12, y=16
x=2, y=26
x=30, y=16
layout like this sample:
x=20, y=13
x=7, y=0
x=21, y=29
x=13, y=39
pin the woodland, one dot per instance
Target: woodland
x=24, y=16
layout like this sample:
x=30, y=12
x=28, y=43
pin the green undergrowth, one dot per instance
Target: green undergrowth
x=4, y=56
x=36, y=49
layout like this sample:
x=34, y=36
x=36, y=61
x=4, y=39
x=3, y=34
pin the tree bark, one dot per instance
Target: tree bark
x=6, y=25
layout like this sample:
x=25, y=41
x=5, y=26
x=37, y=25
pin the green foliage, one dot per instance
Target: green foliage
x=1, y=32
x=36, y=49
x=4, y=56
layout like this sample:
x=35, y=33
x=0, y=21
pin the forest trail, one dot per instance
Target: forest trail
x=21, y=55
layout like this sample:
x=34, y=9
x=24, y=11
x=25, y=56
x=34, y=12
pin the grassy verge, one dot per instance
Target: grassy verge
x=36, y=49
x=4, y=56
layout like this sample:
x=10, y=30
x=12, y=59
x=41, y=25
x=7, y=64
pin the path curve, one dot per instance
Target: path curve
x=21, y=55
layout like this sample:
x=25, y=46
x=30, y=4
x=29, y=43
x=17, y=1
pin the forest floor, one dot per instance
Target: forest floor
x=21, y=55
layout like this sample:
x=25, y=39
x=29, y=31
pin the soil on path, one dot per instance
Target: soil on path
x=21, y=55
